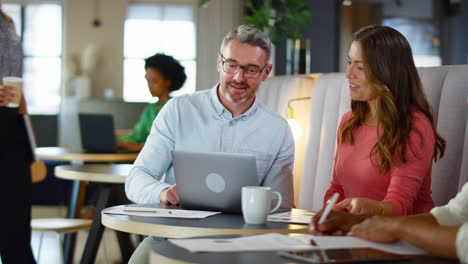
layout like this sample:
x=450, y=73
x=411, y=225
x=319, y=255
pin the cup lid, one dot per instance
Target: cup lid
x=12, y=79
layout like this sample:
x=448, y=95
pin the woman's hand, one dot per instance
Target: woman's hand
x=364, y=206
x=129, y=146
x=6, y=95
x=337, y=223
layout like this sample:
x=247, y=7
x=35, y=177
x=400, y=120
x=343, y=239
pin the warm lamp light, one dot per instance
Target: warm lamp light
x=295, y=127
x=347, y=2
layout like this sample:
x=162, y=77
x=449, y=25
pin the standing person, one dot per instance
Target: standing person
x=226, y=118
x=15, y=155
x=387, y=142
x=164, y=75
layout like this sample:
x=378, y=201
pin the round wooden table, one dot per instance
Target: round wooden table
x=221, y=224
x=62, y=154
x=110, y=173
x=109, y=178
x=79, y=185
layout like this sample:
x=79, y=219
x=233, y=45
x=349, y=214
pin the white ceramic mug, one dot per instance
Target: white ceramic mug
x=16, y=83
x=256, y=203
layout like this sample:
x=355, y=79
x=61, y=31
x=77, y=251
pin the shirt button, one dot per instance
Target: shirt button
x=231, y=123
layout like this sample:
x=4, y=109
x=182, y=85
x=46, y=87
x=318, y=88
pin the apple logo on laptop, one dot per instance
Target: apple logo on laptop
x=215, y=182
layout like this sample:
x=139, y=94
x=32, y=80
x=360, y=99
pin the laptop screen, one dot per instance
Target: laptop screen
x=97, y=133
x=213, y=181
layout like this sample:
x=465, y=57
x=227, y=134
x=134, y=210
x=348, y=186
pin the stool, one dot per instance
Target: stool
x=58, y=226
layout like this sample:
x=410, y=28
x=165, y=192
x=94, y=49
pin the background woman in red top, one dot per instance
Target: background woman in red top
x=387, y=142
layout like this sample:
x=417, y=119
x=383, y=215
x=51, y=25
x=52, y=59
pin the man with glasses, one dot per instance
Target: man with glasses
x=226, y=118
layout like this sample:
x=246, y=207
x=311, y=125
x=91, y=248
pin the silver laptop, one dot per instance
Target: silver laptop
x=213, y=181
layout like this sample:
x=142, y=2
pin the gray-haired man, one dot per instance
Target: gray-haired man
x=226, y=118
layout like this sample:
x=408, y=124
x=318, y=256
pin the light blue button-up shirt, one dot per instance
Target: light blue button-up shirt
x=199, y=122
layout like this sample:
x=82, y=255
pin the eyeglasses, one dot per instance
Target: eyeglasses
x=250, y=71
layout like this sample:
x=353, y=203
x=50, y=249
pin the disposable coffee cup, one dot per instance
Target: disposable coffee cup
x=16, y=83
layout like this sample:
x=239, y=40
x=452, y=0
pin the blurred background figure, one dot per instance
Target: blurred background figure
x=15, y=155
x=164, y=75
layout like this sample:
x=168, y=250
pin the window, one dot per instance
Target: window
x=41, y=33
x=423, y=37
x=153, y=28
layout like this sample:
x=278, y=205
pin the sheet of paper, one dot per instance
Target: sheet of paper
x=297, y=217
x=293, y=242
x=336, y=242
x=159, y=212
x=265, y=242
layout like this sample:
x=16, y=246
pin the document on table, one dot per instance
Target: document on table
x=159, y=212
x=294, y=216
x=265, y=242
x=295, y=242
x=338, y=242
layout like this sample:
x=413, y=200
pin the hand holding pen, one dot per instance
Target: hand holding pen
x=333, y=222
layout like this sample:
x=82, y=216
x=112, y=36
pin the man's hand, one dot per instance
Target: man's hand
x=377, y=228
x=337, y=223
x=169, y=195
x=364, y=206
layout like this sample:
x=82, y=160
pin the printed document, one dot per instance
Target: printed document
x=292, y=242
x=159, y=212
x=265, y=242
x=294, y=216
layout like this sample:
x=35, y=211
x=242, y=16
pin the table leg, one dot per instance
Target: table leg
x=125, y=244
x=97, y=229
x=76, y=203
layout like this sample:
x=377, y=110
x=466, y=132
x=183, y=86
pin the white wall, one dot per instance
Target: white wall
x=214, y=22
x=108, y=38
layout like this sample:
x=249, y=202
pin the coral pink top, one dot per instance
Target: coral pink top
x=407, y=186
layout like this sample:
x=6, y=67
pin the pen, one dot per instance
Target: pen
x=331, y=202
x=313, y=243
x=146, y=211
x=140, y=211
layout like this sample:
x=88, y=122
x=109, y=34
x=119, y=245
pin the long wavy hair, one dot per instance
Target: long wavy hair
x=390, y=69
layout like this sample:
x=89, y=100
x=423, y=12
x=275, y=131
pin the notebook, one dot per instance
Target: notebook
x=97, y=133
x=213, y=181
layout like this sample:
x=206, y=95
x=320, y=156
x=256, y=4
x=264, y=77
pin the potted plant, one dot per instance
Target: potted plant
x=292, y=16
x=282, y=20
x=285, y=22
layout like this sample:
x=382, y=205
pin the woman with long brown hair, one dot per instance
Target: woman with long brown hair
x=387, y=142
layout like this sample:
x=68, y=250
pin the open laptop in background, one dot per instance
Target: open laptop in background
x=213, y=181
x=97, y=133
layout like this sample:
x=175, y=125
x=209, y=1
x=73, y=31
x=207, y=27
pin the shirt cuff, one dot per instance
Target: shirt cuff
x=462, y=243
x=444, y=216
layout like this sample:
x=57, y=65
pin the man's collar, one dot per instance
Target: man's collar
x=220, y=108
